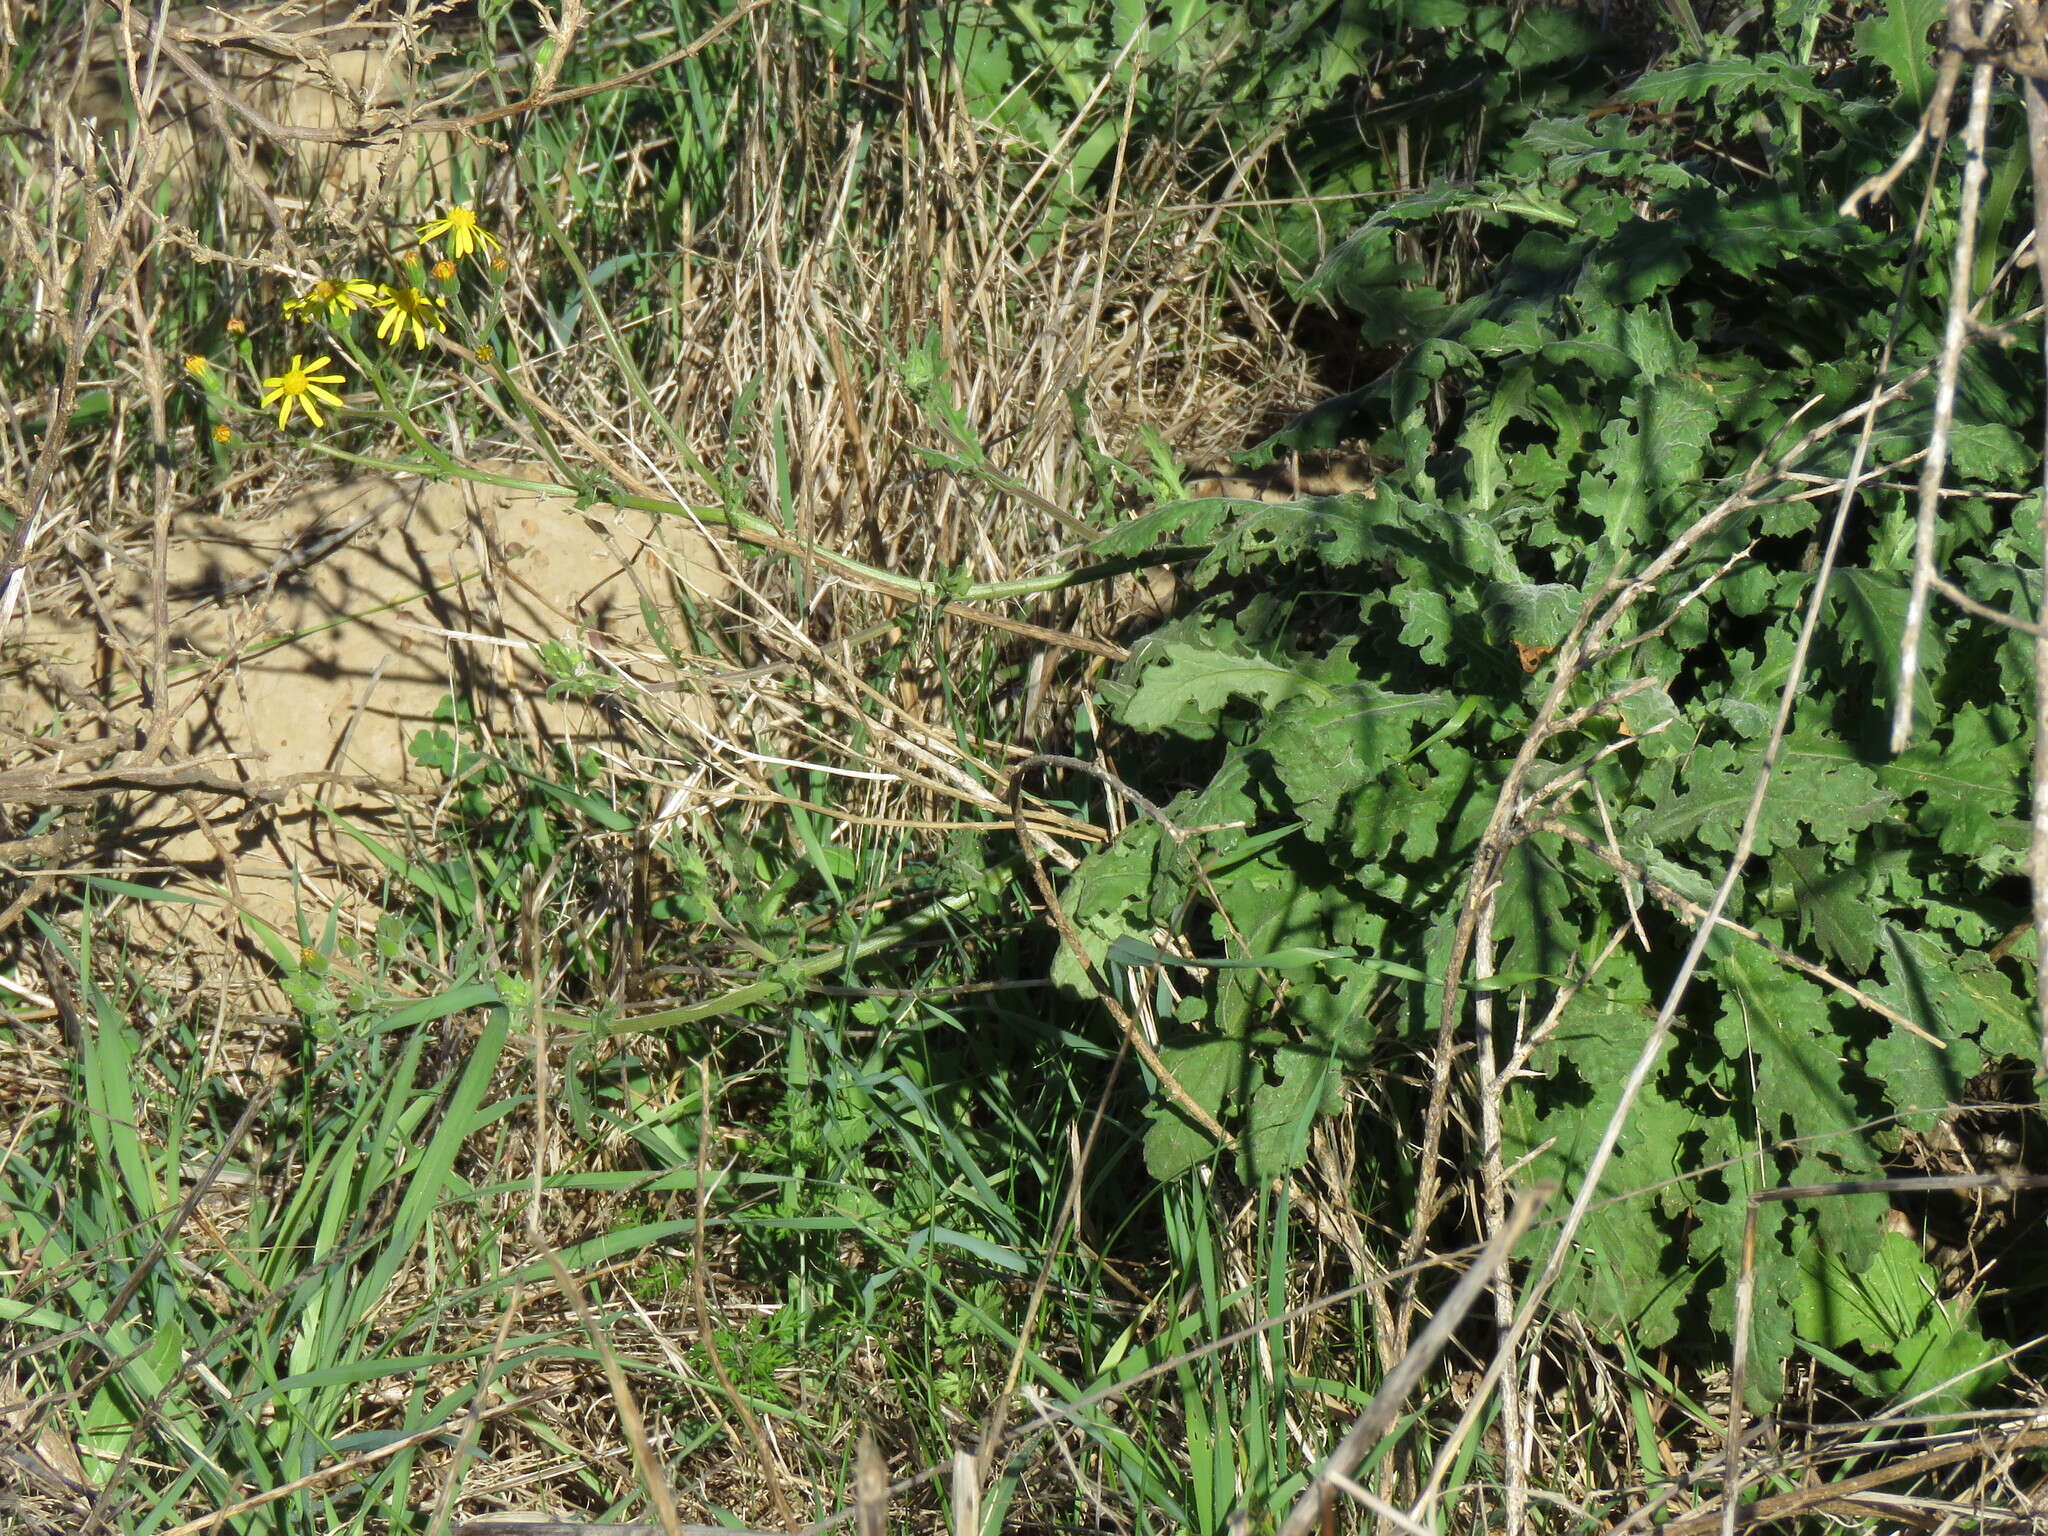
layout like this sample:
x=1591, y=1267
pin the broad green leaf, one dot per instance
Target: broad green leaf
x=1334, y=531
x=1897, y=38
x=1325, y=750
x=1892, y=1308
x=1606, y=146
x=1818, y=789
x=1780, y=1029
x=1833, y=906
x=1545, y=37
x=1623, y=1277
x=1990, y=452
x=1715, y=1225
x=1300, y=1085
x=1964, y=1000
x=1750, y=233
x=1173, y=525
x=1206, y=1071
x=1764, y=76
x=1963, y=788
x=1532, y=613
x=1185, y=688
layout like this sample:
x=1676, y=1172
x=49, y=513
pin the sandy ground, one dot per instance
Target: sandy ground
x=314, y=640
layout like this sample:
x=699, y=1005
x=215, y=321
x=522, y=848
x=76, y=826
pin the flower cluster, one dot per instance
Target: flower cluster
x=404, y=308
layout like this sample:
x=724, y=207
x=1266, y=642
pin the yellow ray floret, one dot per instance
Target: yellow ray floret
x=300, y=385
x=408, y=306
x=462, y=230
x=332, y=299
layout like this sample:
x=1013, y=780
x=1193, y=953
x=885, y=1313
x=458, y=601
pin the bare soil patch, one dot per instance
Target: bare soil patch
x=313, y=639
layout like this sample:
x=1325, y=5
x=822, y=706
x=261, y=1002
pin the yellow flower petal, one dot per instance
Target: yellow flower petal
x=460, y=228
x=300, y=386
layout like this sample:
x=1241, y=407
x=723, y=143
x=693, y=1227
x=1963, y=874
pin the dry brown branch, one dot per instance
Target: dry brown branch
x=1941, y=586
x=32, y=787
x=1954, y=338
x=1785, y=1505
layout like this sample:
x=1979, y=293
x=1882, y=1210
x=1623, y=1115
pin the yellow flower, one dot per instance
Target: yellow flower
x=195, y=365
x=405, y=306
x=223, y=433
x=332, y=299
x=444, y=271
x=237, y=325
x=464, y=233
x=487, y=354
x=299, y=386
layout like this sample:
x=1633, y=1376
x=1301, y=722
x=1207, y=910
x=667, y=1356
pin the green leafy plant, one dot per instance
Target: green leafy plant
x=1627, y=430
